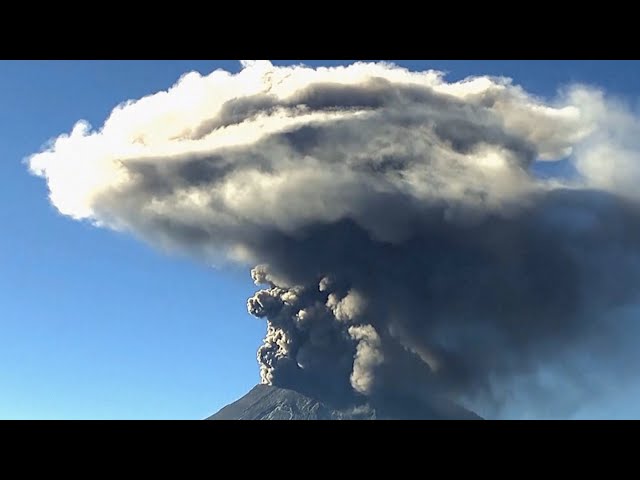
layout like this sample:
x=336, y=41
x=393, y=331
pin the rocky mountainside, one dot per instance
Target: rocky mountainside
x=266, y=402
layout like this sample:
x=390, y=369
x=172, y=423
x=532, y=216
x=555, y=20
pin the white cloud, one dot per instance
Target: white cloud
x=225, y=154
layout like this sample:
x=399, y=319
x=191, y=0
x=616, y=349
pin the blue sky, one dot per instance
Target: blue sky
x=94, y=324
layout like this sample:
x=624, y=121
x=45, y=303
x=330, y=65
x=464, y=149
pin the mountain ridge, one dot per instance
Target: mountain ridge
x=267, y=402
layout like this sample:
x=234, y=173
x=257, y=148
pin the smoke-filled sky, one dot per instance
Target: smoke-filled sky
x=410, y=231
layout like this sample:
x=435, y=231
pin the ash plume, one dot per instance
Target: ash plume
x=402, y=240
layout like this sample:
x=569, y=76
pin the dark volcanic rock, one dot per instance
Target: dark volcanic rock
x=265, y=402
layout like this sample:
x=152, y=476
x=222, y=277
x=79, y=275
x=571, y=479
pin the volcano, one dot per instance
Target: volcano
x=266, y=402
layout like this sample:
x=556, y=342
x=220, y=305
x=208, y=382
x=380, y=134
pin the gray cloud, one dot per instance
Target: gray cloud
x=403, y=241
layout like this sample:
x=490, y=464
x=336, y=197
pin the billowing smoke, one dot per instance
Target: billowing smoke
x=403, y=242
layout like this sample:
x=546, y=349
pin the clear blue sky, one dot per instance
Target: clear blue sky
x=96, y=325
